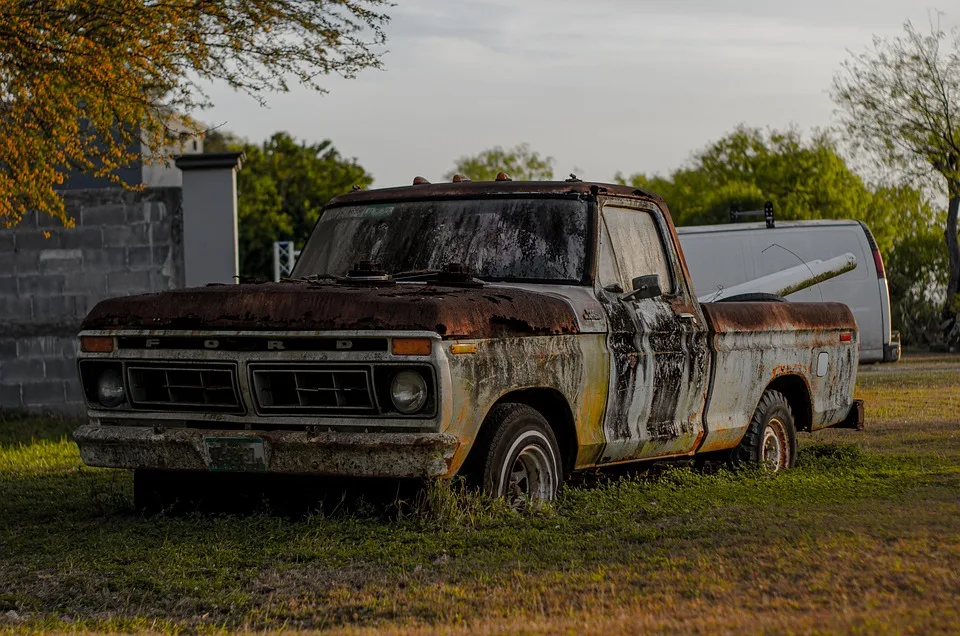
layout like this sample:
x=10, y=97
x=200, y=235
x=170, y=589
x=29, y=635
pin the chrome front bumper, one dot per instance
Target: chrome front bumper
x=396, y=455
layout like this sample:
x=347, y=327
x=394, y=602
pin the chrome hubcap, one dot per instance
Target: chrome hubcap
x=773, y=447
x=531, y=476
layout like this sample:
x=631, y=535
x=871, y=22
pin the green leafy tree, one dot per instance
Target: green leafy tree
x=917, y=272
x=520, y=162
x=803, y=179
x=90, y=84
x=811, y=180
x=900, y=104
x=217, y=140
x=282, y=188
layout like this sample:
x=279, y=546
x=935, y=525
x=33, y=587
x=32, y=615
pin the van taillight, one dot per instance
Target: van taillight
x=878, y=261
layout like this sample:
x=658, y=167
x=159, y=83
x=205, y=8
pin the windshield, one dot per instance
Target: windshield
x=498, y=239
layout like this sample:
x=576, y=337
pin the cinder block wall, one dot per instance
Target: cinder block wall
x=123, y=243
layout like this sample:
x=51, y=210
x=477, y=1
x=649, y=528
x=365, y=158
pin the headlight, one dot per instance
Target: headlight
x=110, y=389
x=408, y=392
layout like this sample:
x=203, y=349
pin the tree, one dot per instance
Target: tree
x=900, y=103
x=519, y=162
x=90, y=84
x=917, y=273
x=281, y=190
x=803, y=179
x=811, y=180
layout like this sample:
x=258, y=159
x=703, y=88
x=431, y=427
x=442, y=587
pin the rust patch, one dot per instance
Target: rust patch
x=778, y=317
x=301, y=305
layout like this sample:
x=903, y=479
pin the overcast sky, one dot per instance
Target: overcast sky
x=600, y=85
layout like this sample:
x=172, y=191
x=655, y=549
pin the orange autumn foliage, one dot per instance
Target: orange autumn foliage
x=81, y=81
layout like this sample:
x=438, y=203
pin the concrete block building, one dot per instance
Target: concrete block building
x=125, y=242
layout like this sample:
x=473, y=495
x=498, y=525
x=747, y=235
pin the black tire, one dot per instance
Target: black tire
x=754, y=297
x=518, y=457
x=771, y=438
x=150, y=493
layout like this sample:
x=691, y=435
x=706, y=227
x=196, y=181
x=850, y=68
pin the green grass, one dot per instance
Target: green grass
x=864, y=537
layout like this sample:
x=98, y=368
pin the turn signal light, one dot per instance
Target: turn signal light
x=846, y=336
x=412, y=346
x=96, y=344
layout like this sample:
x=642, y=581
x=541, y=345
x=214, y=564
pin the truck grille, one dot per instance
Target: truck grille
x=181, y=388
x=311, y=390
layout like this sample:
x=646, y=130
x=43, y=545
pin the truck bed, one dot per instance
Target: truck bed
x=804, y=349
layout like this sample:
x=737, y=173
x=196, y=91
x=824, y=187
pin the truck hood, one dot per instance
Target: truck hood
x=491, y=311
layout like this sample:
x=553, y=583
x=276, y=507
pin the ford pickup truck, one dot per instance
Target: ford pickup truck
x=511, y=332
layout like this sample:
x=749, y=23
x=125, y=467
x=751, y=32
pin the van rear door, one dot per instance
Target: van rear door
x=776, y=250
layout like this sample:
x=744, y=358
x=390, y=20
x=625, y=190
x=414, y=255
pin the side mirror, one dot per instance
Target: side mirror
x=644, y=287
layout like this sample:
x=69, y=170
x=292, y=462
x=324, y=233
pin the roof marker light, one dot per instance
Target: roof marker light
x=503, y=176
x=420, y=181
x=459, y=178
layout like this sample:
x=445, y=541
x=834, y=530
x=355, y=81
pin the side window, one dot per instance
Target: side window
x=635, y=239
x=607, y=272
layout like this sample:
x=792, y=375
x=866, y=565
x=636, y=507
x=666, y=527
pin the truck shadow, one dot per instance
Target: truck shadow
x=292, y=496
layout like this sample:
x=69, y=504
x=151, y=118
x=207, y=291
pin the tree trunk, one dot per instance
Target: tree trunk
x=953, y=253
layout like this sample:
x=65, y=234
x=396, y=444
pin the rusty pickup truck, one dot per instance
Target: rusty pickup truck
x=512, y=332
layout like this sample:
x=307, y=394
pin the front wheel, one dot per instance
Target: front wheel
x=771, y=438
x=520, y=459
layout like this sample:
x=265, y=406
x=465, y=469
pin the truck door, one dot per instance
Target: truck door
x=658, y=345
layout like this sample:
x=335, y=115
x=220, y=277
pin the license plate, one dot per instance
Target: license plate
x=241, y=454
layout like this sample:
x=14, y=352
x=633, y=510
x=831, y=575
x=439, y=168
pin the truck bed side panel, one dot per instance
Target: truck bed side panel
x=756, y=343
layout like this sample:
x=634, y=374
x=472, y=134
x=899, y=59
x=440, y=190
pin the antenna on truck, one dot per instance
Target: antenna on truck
x=766, y=212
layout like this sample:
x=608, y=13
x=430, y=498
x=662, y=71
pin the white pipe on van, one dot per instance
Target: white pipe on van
x=790, y=280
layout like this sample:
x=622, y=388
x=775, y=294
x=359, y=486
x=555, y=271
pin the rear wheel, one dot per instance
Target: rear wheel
x=519, y=459
x=771, y=438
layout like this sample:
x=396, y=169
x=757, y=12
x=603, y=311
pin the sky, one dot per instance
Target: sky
x=600, y=85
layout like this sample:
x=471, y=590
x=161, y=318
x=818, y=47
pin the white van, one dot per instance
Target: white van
x=725, y=255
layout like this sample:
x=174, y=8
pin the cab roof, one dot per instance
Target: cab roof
x=472, y=189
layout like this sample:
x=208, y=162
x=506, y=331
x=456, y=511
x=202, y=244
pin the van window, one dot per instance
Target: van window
x=636, y=242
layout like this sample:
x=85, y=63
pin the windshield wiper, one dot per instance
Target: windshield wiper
x=412, y=274
x=451, y=274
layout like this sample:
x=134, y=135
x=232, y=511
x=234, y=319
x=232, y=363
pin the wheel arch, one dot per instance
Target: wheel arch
x=554, y=407
x=795, y=389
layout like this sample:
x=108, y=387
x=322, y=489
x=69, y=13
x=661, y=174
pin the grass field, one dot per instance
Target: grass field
x=863, y=537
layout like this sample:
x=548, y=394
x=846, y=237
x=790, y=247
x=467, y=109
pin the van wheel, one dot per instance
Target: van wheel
x=771, y=438
x=520, y=458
